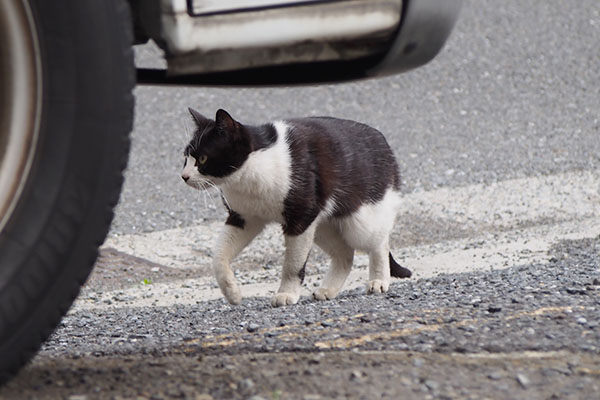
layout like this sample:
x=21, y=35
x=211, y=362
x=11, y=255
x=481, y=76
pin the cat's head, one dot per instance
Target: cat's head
x=219, y=148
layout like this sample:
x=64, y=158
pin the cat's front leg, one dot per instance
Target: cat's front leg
x=233, y=239
x=297, y=248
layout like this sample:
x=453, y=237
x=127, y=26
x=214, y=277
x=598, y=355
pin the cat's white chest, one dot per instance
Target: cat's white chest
x=260, y=186
x=263, y=206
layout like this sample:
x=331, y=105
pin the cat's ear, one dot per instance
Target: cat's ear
x=224, y=120
x=199, y=119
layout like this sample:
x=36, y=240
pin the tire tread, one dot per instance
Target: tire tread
x=64, y=227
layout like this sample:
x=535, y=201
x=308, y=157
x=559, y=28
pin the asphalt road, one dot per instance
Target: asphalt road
x=498, y=141
x=515, y=93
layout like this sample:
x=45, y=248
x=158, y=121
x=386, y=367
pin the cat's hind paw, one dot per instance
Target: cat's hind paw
x=324, y=294
x=284, y=299
x=377, y=286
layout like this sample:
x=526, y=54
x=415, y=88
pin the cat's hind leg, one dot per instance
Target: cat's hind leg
x=379, y=270
x=232, y=240
x=297, y=248
x=368, y=229
x=332, y=243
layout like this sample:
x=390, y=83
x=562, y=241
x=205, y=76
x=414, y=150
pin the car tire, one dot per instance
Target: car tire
x=71, y=176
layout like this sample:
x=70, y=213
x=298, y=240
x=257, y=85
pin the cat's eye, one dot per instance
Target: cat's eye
x=202, y=159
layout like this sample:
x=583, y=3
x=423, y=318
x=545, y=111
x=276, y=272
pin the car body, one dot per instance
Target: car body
x=256, y=42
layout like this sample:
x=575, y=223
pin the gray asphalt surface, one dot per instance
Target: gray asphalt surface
x=516, y=92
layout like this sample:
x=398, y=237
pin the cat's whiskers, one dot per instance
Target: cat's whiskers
x=222, y=195
x=205, y=190
x=212, y=185
x=186, y=132
x=204, y=197
x=188, y=135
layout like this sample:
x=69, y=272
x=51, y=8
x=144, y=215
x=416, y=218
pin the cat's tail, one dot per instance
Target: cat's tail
x=397, y=270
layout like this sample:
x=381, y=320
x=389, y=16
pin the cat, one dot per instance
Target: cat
x=330, y=181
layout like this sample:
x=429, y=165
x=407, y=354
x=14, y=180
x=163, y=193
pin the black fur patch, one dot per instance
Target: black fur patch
x=343, y=159
x=262, y=137
x=235, y=219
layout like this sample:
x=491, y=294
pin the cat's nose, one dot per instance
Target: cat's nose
x=185, y=177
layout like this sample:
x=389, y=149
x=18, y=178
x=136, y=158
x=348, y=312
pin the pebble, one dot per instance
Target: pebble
x=493, y=348
x=356, y=375
x=418, y=362
x=475, y=301
x=252, y=328
x=523, y=380
x=530, y=331
x=432, y=385
x=496, y=375
x=576, y=290
x=246, y=385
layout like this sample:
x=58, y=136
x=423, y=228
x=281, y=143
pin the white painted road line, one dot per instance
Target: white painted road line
x=561, y=197
x=557, y=207
x=497, y=252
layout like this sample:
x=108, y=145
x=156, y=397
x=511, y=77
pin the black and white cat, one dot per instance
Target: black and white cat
x=325, y=180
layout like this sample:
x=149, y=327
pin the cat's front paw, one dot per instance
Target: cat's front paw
x=232, y=293
x=324, y=294
x=284, y=299
x=377, y=286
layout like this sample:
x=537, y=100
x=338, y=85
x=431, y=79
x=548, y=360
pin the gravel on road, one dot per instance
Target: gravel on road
x=529, y=331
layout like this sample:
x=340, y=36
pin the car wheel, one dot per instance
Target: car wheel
x=66, y=110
